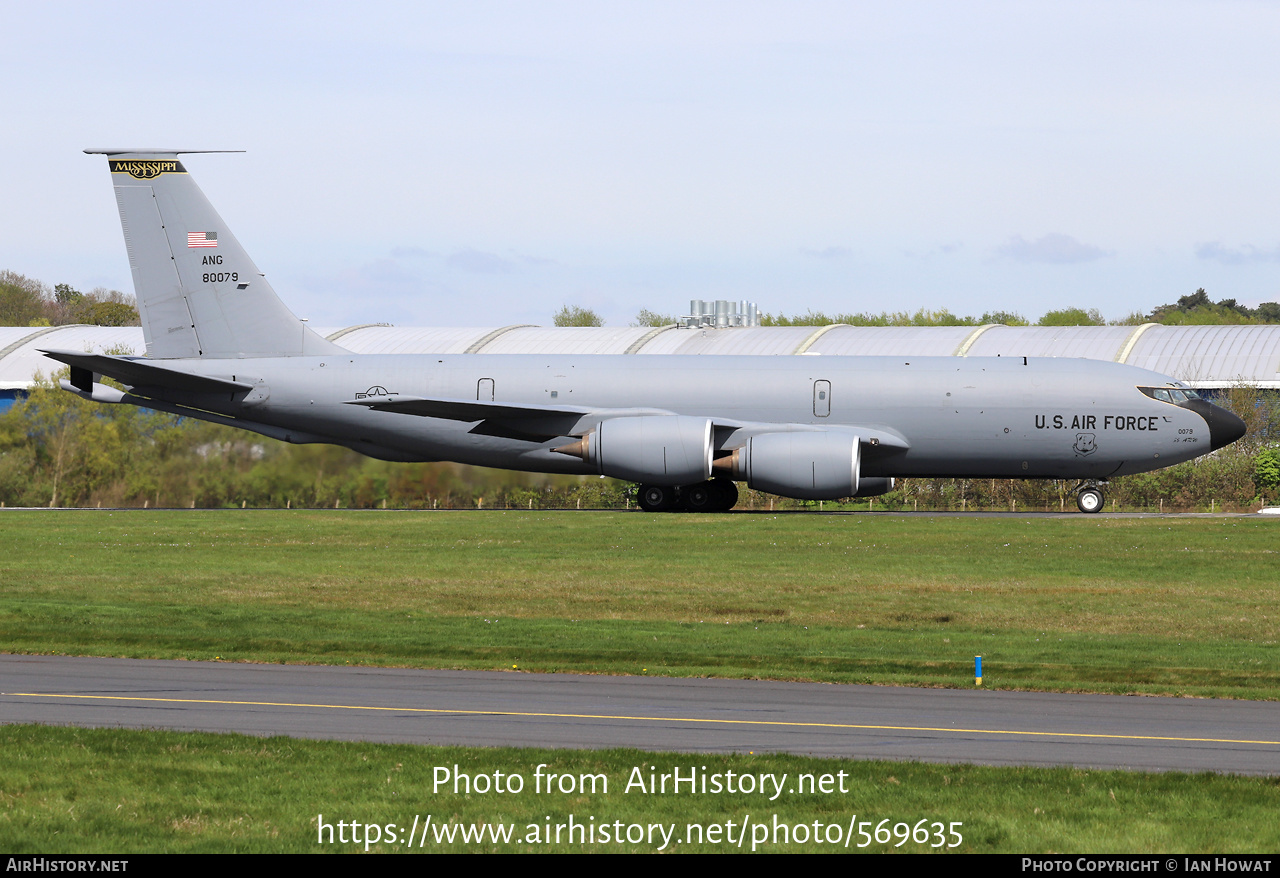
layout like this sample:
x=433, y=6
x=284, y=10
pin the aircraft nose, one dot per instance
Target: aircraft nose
x=1224, y=427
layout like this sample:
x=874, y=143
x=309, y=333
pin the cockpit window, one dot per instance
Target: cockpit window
x=1170, y=394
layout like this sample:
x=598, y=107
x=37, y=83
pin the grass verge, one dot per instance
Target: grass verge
x=111, y=792
x=1149, y=605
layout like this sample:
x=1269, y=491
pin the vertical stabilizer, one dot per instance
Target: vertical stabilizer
x=199, y=294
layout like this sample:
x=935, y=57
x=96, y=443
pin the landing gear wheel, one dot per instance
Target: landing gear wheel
x=700, y=497
x=1090, y=500
x=726, y=494
x=656, y=498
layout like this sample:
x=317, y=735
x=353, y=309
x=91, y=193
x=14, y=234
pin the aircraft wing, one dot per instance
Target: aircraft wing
x=540, y=422
x=139, y=372
x=466, y=409
x=512, y=420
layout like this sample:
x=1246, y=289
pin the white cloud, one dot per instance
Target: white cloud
x=1054, y=249
x=478, y=262
x=1239, y=256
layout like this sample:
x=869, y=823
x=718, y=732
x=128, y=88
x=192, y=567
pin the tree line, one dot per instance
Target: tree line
x=1194, y=309
x=28, y=302
x=25, y=301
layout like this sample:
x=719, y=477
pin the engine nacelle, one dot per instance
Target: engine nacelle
x=807, y=465
x=873, y=487
x=654, y=449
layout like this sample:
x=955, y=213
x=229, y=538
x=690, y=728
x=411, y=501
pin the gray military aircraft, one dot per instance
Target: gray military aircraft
x=222, y=347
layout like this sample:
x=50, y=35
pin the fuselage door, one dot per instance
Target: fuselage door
x=484, y=390
x=821, y=398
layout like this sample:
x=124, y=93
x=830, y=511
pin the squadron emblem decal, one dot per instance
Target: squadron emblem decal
x=1086, y=444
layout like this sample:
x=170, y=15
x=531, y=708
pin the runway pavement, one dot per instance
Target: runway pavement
x=693, y=715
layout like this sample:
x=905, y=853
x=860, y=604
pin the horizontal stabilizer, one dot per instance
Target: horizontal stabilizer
x=138, y=372
x=154, y=151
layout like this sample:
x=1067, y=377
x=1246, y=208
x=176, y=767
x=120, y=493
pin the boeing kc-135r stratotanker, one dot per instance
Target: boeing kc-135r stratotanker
x=222, y=347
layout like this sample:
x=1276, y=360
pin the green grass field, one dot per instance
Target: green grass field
x=113, y=792
x=1153, y=605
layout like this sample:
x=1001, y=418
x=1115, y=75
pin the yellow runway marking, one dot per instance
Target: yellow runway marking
x=655, y=719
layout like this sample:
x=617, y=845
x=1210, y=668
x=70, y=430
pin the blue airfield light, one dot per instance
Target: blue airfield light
x=977, y=670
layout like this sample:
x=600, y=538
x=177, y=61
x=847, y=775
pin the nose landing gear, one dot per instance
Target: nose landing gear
x=1089, y=498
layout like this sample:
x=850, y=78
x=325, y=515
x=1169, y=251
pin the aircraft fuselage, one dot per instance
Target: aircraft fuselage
x=991, y=417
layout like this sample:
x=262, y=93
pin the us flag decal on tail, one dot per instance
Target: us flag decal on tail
x=202, y=239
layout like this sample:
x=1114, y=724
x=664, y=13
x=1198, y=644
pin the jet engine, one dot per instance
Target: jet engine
x=654, y=449
x=806, y=465
x=873, y=487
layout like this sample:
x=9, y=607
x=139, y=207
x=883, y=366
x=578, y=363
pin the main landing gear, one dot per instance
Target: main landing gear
x=714, y=495
x=1089, y=497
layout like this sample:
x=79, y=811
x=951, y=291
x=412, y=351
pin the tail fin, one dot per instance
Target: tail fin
x=199, y=293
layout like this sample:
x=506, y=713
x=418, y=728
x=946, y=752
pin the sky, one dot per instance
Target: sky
x=483, y=163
